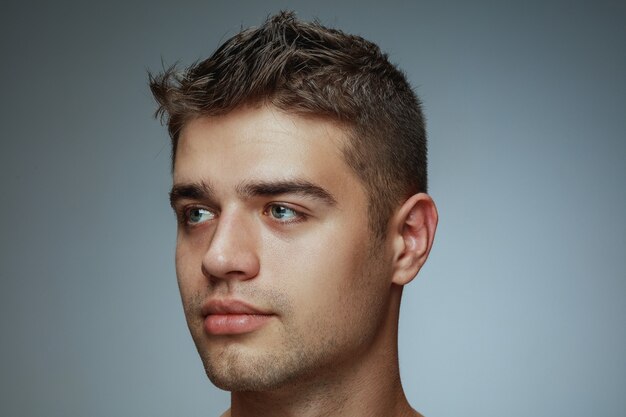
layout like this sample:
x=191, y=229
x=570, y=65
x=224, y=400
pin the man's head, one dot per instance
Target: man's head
x=307, y=69
x=299, y=170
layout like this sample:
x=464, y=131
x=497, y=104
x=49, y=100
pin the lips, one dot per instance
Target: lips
x=232, y=317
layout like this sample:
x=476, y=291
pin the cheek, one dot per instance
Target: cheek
x=188, y=269
x=320, y=274
x=192, y=287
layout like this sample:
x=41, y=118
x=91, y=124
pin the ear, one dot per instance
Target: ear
x=414, y=226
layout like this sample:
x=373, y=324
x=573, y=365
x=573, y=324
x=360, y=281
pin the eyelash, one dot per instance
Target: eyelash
x=298, y=215
x=185, y=214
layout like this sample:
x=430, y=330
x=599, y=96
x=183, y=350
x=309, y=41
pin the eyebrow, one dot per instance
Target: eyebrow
x=192, y=191
x=301, y=187
x=204, y=191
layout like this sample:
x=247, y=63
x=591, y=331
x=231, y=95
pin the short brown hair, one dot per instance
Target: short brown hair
x=308, y=69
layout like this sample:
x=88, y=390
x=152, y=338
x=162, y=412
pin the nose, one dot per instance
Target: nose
x=232, y=252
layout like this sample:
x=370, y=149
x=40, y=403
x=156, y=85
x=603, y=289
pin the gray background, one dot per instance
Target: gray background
x=521, y=309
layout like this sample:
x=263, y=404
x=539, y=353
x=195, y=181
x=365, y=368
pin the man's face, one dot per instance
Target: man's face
x=279, y=278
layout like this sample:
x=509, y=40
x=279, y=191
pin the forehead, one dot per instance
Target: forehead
x=262, y=143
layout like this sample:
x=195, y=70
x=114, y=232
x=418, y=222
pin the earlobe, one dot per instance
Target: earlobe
x=414, y=229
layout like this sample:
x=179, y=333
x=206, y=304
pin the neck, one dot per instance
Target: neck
x=367, y=385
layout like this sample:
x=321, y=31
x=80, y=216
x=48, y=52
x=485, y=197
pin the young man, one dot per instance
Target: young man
x=299, y=165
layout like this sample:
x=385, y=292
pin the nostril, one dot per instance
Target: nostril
x=205, y=271
x=239, y=263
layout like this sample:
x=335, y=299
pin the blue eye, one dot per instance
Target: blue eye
x=283, y=213
x=196, y=215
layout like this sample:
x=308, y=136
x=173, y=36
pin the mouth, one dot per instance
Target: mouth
x=233, y=317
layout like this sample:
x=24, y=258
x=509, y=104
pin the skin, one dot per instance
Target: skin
x=270, y=214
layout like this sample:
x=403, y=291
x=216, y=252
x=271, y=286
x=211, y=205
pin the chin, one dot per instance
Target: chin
x=235, y=376
x=238, y=371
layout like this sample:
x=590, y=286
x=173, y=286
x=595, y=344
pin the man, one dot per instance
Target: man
x=299, y=180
